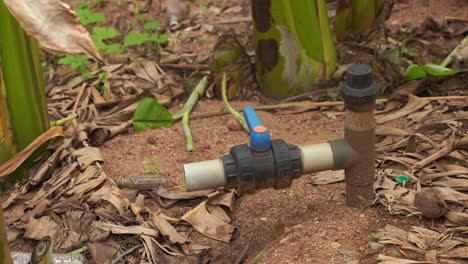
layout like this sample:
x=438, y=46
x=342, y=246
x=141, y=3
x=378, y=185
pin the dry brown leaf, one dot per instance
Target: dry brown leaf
x=431, y=255
x=458, y=218
x=208, y=224
x=390, y=131
x=85, y=187
x=182, y=195
x=87, y=156
x=39, y=228
x=225, y=199
x=451, y=195
x=102, y=252
x=13, y=234
x=327, y=177
x=73, y=239
x=110, y=194
x=12, y=164
x=146, y=70
x=218, y=211
x=125, y=230
x=459, y=253
x=414, y=103
x=54, y=24
x=392, y=260
x=168, y=230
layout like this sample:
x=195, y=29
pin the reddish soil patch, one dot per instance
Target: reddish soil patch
x=414, y=12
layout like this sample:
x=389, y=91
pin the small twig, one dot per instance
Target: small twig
x=126, y=253
x=233, y=112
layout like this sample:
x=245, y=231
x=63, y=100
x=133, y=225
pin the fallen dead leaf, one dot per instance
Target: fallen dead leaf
x=414, y=103
x=39, y=228
x=54, y=24
x=208, y=224
x=11, y=165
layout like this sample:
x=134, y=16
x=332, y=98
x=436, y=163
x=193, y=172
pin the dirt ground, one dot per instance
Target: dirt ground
x=319, y=228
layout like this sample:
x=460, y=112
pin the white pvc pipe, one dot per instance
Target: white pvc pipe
x=204, y=175
x=317, y=157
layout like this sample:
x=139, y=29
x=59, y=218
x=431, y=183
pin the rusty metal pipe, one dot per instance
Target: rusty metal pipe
x=359, y=92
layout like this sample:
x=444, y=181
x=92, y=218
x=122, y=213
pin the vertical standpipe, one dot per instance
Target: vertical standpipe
x=359, y=92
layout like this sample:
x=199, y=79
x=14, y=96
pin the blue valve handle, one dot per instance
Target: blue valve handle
x=259, y=135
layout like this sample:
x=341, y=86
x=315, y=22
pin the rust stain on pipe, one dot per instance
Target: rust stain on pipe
x=359, y=92
x=360, y=176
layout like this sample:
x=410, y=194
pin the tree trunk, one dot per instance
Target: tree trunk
x=293, y=45
x=23, y=81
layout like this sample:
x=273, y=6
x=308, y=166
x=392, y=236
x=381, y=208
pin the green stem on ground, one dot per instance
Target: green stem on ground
x=184, y=113
x=63, y=120
x=449, y=58
x=193, y=98
x=231, y=110
x=188, y=134
x=78, y=251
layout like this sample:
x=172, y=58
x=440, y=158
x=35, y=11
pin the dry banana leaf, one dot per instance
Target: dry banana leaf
x=11, y=165
x=208, y=224
x=414, y=103
x=54, y=24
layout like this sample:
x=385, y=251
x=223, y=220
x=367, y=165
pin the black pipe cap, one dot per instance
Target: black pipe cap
x=359, y=86
x=359, y=76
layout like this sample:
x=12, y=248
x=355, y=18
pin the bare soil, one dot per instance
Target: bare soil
x=319, y=227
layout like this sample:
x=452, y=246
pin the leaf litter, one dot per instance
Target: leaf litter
x=432, y=151
x=71, y=198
